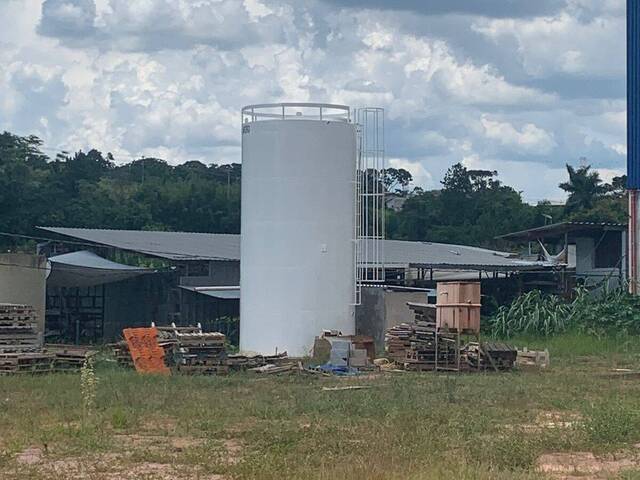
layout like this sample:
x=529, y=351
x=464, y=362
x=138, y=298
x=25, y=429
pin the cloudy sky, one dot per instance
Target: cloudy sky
x=518, y=86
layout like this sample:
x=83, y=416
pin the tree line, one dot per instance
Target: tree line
x=90, y=190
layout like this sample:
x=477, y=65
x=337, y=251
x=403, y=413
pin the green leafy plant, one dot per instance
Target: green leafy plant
x=533, y=312
x=609, y=312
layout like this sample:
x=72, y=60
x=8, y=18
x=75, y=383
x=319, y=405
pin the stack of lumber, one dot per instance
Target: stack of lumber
x=69, y=357
x=398, y=341
x=18, y=329
x=26, y=362
x=414, y=345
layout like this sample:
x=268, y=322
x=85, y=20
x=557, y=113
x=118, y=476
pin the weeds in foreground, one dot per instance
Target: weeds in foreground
x=88, y=386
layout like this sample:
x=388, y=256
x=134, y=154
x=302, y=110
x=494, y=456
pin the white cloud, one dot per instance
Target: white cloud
x=529, y=138
x=421, y=177
x=537, y=181
x=607, y=174
x=168, y=78
x=564, y=43
x=619, y=148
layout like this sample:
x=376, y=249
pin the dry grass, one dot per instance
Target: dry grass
x=406, y=426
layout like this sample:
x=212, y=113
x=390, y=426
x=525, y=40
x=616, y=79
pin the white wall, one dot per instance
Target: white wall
x=585, y=263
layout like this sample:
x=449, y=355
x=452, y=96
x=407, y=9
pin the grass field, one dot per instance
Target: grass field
x=574, y=415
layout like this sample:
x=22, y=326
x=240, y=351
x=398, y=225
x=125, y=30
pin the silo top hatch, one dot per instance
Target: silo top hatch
x=296, y=111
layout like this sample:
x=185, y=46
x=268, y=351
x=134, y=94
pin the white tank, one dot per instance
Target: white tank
x=297, y=222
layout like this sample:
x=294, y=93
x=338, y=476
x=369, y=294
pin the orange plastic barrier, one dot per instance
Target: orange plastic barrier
x=147, y=355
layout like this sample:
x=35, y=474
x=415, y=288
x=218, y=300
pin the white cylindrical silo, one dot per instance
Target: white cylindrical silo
x=297, y=225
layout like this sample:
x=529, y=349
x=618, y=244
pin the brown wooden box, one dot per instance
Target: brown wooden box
x=458, y=306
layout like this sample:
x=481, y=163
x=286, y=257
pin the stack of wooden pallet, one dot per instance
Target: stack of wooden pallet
x=489, y=356
x=69, y=358
x=20, y=345
x=201, y=352
x=26, y=362
x=18, y=329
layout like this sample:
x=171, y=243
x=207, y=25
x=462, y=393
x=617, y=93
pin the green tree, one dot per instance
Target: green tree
x=584, y=188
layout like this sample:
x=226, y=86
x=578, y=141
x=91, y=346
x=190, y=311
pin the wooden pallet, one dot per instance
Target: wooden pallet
x=13, y=363
x=69, y=357
x=203, y=369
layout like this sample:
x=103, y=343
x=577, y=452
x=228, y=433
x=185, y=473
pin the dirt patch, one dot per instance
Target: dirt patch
x=113, y=467
x=234, y=450
x=162, y=471
x=585, y=465
x=159, y=423
x=184, y=443
x=30, y=456
x=157, y=443
x=550, y=420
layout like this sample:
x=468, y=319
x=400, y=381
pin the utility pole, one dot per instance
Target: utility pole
x=633, y=139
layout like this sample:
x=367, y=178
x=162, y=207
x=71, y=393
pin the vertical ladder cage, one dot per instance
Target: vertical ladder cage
x=369, y=198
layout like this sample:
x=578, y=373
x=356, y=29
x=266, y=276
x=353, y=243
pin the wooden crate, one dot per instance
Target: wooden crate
x=451, y=293
x=458, y=306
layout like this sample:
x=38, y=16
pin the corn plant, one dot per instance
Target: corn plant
x=610, y=311
x=535, y=313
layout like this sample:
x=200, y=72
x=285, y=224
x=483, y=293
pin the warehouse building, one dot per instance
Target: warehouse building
x=190, y=278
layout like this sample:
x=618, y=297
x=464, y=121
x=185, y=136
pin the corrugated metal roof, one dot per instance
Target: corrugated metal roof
x=209, y=246
x=170, y=245
x=443, y=255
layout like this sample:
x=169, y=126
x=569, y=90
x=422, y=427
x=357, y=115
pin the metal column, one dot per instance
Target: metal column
x=633, y=139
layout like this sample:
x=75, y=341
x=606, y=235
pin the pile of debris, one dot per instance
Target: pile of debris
x=426, y=345
x=190, y=350
x=335, y=353
x=20, y=344
x=239, y=362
